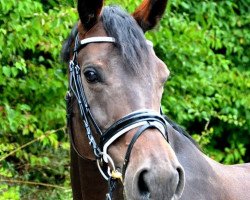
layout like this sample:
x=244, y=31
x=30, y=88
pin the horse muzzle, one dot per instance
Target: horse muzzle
x=153, y=178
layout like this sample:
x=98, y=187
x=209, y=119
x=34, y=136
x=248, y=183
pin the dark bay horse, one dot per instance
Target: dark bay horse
x=121, y=145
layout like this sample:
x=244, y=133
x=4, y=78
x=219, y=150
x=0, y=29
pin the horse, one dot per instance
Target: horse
x=122, y=146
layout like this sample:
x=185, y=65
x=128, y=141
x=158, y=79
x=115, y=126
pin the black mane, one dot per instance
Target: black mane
x=66, y=50
x=181, y=131
x=129, y=37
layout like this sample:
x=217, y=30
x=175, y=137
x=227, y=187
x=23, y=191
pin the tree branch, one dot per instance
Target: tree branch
x=33, y=183
x=31, y=142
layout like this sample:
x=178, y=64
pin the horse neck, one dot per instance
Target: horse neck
x=206, y=178
x=86, y=180
x=186, y=151
x=201, y=172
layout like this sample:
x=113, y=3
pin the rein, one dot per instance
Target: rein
x=141, y=119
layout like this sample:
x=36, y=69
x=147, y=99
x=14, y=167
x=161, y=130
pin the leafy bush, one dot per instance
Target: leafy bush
x=204, y=43
x=32, y=84
x=205, y=46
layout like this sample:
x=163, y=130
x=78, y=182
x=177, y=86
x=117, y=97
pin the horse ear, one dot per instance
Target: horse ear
x=149, y=13
x=89, y=11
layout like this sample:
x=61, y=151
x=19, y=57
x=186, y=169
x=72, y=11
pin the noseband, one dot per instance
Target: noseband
x=141, y=119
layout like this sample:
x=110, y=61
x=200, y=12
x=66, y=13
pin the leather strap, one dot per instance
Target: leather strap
x=131, y=144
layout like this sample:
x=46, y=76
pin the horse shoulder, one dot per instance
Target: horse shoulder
x=237, y=179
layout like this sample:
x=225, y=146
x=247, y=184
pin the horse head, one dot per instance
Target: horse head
x=116, y=85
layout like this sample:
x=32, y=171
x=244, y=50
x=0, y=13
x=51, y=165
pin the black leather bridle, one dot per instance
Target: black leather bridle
x=141, y=119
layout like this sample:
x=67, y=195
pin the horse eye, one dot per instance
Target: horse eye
x=91, y=76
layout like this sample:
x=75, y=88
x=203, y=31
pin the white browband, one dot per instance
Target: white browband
x=104, y=39
x=97, y=39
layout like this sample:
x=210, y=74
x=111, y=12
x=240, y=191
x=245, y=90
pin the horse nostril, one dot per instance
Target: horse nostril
x=180, y=185
x=143, y=185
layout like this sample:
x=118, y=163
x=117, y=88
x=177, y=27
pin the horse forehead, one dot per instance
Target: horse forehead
x=110, y=58
x=97, y=53
x=95, y=31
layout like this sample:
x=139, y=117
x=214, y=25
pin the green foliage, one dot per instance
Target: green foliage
x=32, y=84
x=204, y=43
x=205, y=46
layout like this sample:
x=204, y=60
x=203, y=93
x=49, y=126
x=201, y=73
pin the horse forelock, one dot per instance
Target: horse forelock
x=129, y=37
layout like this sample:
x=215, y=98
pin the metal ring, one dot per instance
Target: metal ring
x=109, y=161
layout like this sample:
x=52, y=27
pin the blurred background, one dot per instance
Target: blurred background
x=205, y=44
